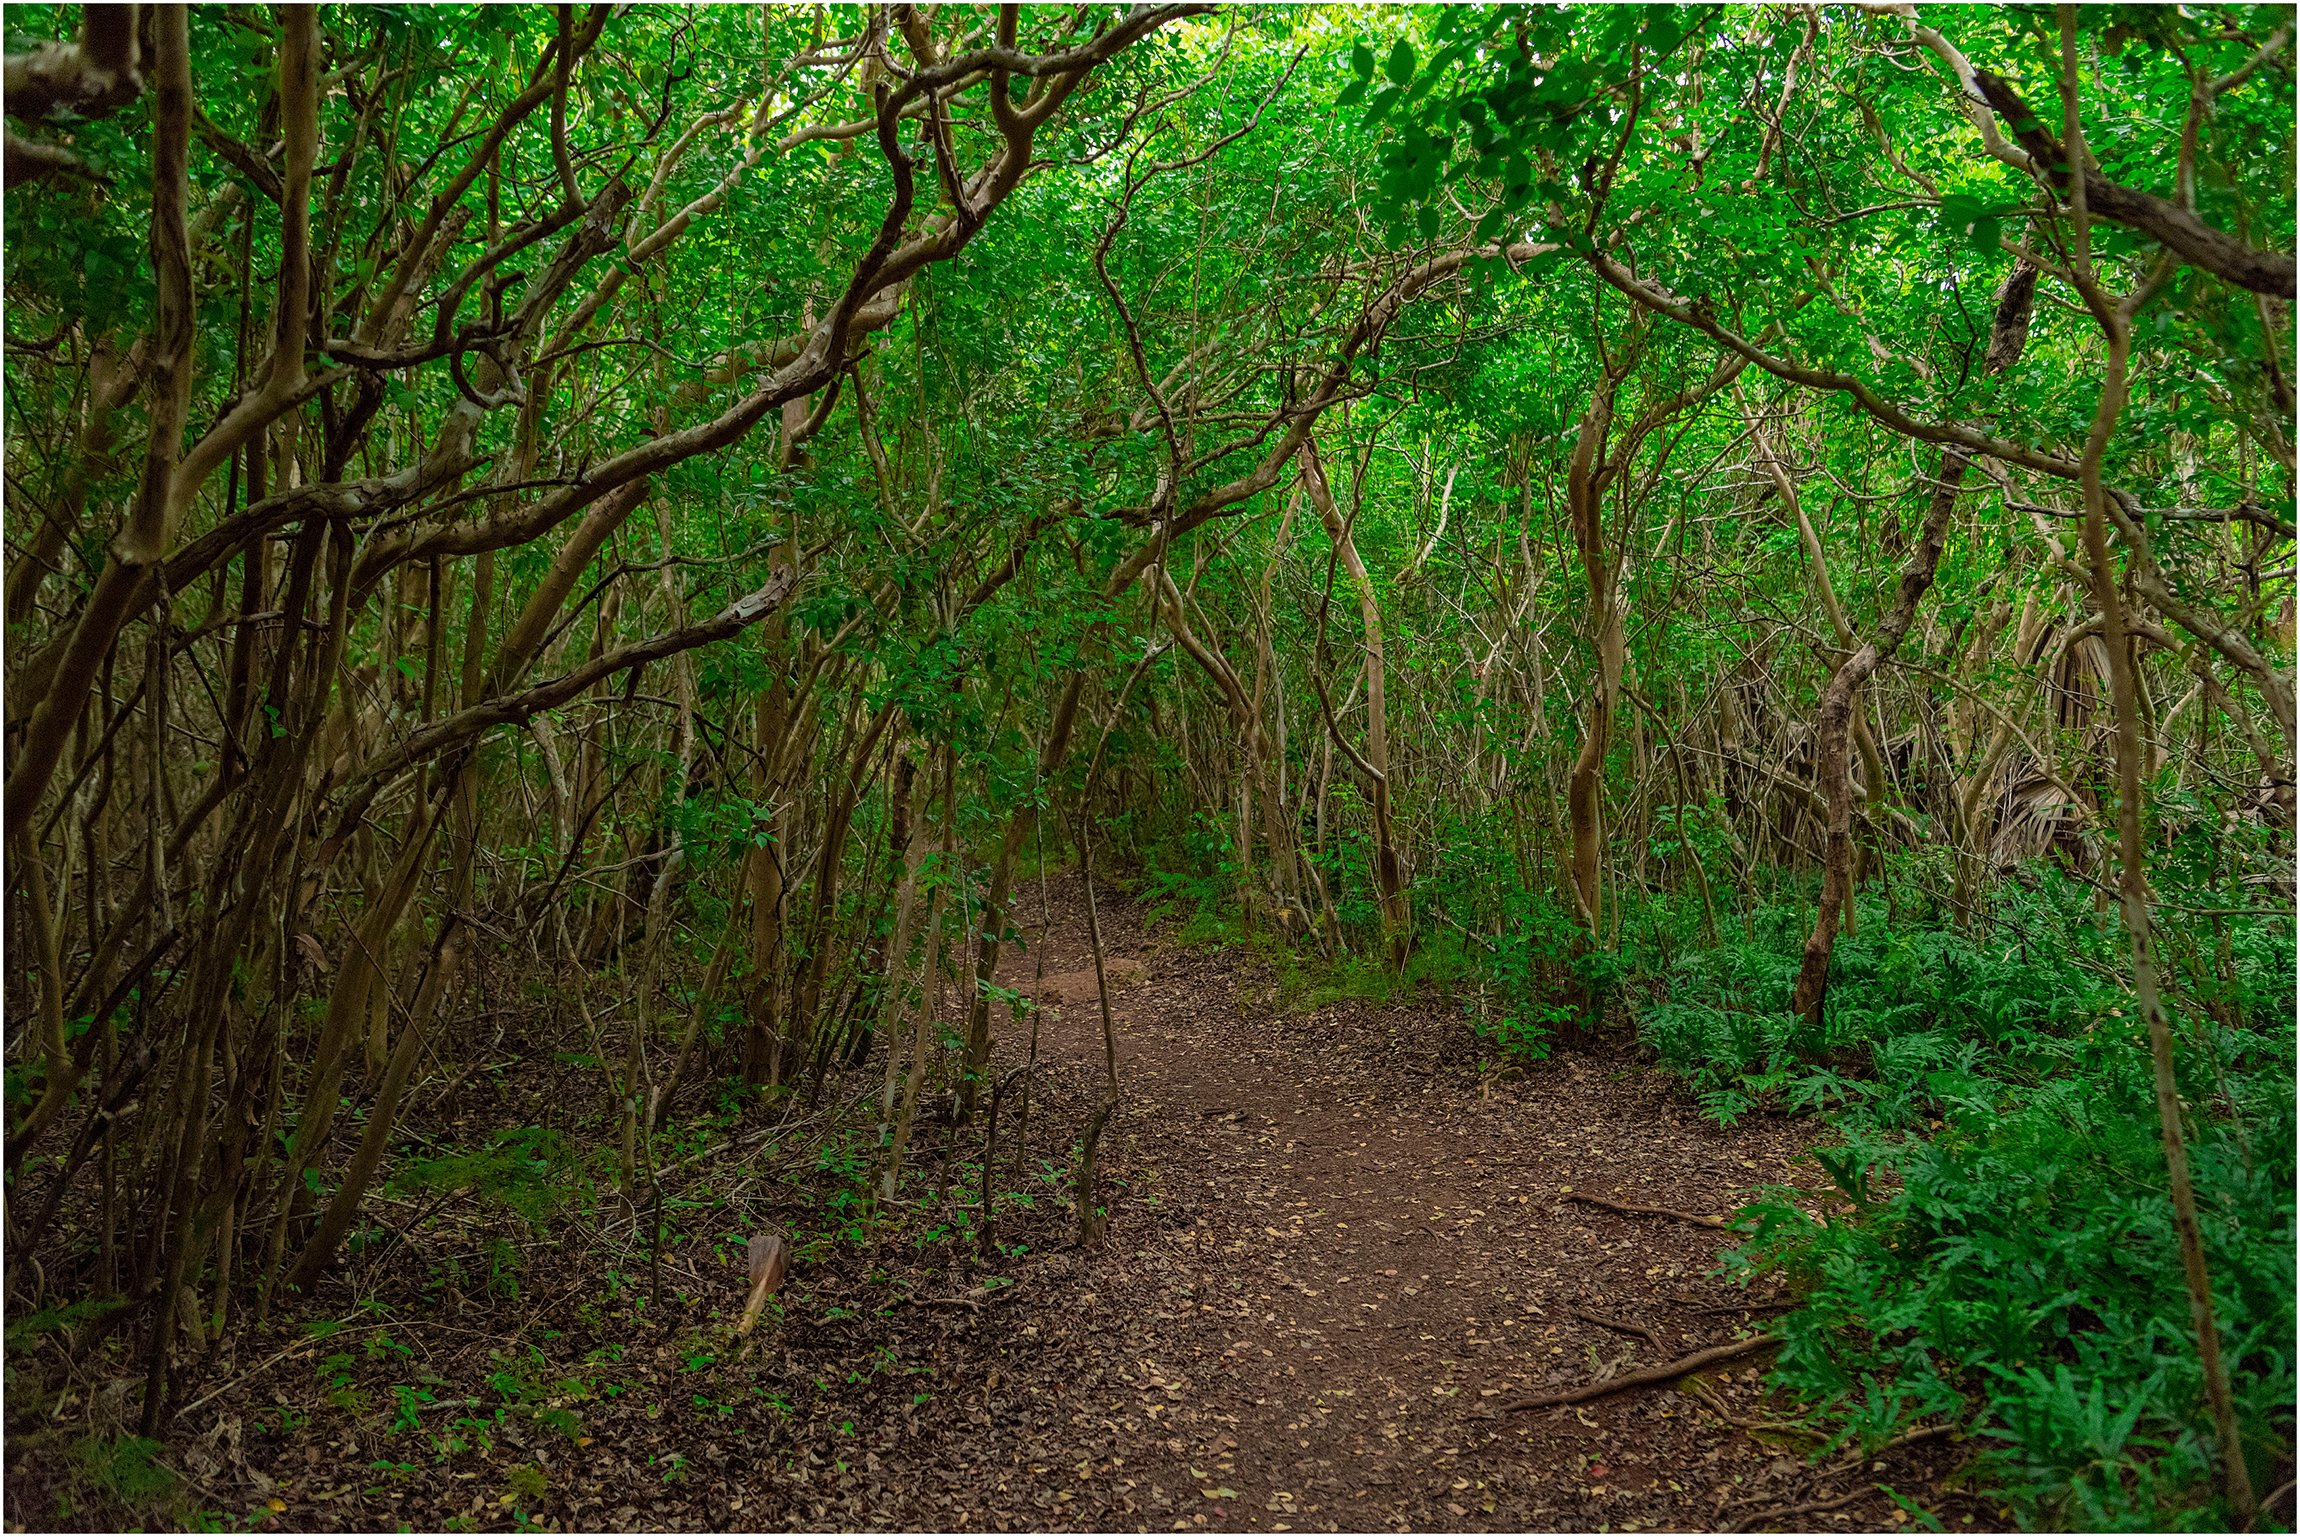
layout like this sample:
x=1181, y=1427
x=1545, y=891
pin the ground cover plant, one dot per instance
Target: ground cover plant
x=747, y=746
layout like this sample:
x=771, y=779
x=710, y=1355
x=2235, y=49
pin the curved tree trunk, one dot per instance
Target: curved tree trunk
x=1586, y=478
x=2115, y=321
x=1389, y=869
x=2007, y=335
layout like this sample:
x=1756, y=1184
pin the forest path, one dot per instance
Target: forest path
x=1338, y=1251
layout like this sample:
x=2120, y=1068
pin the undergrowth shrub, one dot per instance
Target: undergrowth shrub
x=1190, y=884
x=2019, y=1269
x=527, y=1170
x=124, y=1474
x=1437, y=968
x=2009, y=1258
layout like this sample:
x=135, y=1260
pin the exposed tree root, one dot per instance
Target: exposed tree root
x=1714, y=1356
x=1631, y=1210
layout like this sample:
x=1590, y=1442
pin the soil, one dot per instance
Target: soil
x=1339, y=1249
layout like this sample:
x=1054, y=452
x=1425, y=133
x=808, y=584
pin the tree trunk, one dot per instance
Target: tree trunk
x=1586, y=478
x=2132, y=884
x=2006, y=336
x=1389, y=869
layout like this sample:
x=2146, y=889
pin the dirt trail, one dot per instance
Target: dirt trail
x=1362, y=1252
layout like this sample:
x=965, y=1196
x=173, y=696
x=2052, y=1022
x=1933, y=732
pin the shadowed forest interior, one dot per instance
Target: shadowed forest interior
x=950, y=766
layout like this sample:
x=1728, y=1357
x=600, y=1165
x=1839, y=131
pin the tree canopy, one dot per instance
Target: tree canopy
x=1757, y=536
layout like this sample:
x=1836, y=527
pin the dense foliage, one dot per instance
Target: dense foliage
x=1682, y=518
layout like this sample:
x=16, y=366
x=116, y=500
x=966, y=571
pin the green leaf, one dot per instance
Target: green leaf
x=1352, y=94
x=1362, y=60
x=1427, y=222
x=1400, y=67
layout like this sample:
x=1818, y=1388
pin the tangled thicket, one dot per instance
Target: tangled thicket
x=1690, y=515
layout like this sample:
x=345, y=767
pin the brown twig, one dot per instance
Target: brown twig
x=1648, y=1211
x=1709, y=1396
x=1844, y=1464
x=1809, y=1508
x=2280, y=1492
x=972, y=1301
x=1714, y=1356
x=1856, y=1456
x=1744, y=1307
x=1617, y=1326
